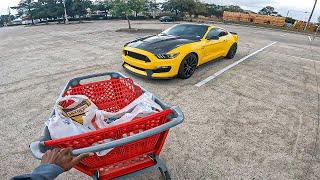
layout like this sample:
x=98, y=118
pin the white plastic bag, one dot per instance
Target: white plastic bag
x=140, y=107
x=77, y=118
x=83, y=116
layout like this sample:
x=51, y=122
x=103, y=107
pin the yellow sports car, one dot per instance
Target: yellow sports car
x=178, y=51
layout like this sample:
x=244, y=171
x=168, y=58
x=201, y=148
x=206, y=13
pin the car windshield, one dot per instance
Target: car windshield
x=188, y=31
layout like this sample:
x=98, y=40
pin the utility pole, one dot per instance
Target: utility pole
x=9, y=17
x=314, y=6
x=65, y=12
x=154, y=9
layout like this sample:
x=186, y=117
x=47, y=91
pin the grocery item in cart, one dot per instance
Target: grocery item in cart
x=74, y=114
x=77, y=114
x=143, y=106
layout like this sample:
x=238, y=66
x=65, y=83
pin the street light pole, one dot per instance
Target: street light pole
x=65, y=12
x=314, y=6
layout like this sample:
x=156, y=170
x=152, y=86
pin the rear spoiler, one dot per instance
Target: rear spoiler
x=233, y=33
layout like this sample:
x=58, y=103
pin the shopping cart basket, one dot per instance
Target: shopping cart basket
x=136, y=144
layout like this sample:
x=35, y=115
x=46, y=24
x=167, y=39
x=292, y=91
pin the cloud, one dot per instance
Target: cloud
x=252, y=3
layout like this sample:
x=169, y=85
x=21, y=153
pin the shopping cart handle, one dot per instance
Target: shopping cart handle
x=77, y=80
x=177, y=119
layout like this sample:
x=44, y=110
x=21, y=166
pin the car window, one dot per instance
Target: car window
x=217, y=32
x=223, y=33
x=214, y=33
x=188, y=31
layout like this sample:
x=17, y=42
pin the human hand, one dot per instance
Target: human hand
x=62, y=158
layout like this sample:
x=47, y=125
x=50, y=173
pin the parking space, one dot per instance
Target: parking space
x=260, y=119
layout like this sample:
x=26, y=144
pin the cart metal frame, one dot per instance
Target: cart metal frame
x=176, y=117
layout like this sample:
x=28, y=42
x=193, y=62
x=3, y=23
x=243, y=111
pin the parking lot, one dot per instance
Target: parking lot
x=257, y=120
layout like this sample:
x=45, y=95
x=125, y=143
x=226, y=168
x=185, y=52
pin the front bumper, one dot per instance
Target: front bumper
x=156, y=68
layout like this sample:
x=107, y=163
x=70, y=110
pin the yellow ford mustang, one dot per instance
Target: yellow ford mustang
x=178, y=51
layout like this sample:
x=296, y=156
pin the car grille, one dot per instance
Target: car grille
x=141, y=69
x=137, y=56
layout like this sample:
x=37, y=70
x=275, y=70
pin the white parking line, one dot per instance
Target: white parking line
x=283, y=35
x=199, y=84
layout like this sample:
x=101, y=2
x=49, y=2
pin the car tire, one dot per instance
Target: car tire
x=187, y=66
x=232, y=51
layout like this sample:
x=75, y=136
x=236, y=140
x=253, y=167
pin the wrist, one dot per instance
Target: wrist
x=49, y=171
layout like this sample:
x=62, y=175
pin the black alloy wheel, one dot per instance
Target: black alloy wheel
x=188, y=66
x=232, y=51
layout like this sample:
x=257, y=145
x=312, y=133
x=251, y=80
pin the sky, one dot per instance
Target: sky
x=296, y=8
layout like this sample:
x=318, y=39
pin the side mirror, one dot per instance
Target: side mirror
x=212, y=37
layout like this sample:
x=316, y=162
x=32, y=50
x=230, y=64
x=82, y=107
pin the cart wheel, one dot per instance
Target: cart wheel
x=165, y=174
x=95, y=176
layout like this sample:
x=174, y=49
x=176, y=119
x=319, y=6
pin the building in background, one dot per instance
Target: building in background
x=254, y=18
x=299, y=25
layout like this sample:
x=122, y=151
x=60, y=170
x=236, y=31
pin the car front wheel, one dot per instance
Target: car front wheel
x=188, y=66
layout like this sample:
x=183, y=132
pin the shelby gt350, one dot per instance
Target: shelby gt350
x=178, y=51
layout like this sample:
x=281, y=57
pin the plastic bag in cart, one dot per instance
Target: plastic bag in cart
x=77, y=114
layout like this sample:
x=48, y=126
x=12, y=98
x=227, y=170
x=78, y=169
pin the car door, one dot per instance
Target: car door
x=212, y=47
x=224, y=36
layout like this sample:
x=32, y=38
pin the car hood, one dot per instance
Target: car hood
x=159, y=44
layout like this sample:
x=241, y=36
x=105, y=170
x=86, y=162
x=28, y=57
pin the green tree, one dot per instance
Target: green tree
x=137, y=6
x=6, y=19
x=182, y=6
x=173, y=6
x=290, y=20
x=47, y=9
x=152, y=6
x=200, y=9
x=40, y=10
x=268, y=10
x=80, y=7
x=104, y=6
x=69, y=7
x=232, y=8
x=190, y=7
x=1, y=22
x=122, y=8
x=26, y=7
x=215, y=10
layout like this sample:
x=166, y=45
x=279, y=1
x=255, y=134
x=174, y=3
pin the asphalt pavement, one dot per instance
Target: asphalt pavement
x=256, y=120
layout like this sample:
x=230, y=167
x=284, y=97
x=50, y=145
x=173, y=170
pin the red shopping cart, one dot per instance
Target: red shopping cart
x=136, y=144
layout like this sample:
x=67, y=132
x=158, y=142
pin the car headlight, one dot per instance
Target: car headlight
x=167, y=56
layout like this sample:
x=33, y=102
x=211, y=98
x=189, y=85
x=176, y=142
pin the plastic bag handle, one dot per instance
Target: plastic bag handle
x=177, y=119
